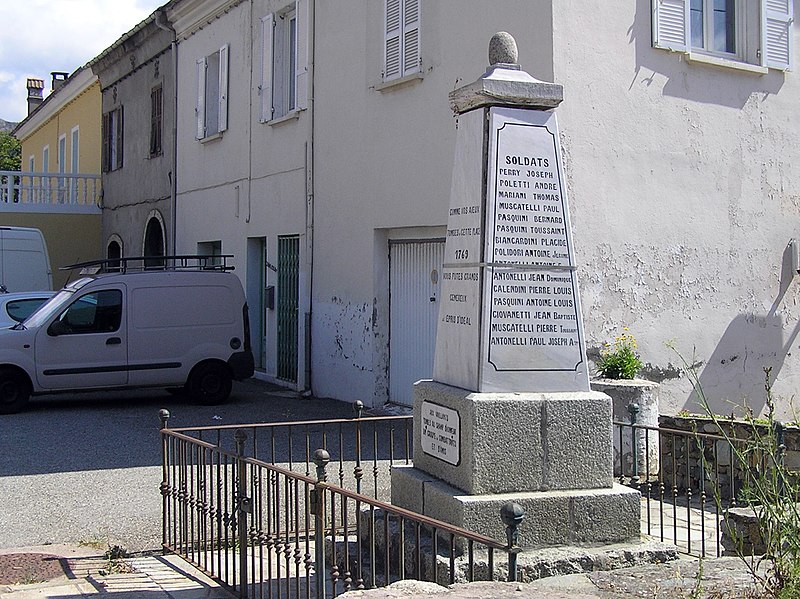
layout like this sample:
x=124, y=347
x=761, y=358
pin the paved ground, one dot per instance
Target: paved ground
x=85, y=469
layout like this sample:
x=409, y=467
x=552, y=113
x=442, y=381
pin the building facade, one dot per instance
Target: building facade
x=315, y=144
x=60, y=190
x=136, y=75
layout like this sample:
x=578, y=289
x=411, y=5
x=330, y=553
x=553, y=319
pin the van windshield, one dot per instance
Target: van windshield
x=48, y=309
x=55, y=304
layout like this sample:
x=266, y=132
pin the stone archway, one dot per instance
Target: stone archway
x=153, y=244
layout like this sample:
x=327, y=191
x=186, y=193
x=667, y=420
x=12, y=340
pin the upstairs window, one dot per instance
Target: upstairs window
x=401, y=39
x=112, y=140
x=733, y=31
x=156, y=118
x=212, y=93
x=284, y=61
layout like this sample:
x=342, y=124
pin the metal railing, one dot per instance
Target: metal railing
x=50, y=192
x=265, y=527
x=689, y=481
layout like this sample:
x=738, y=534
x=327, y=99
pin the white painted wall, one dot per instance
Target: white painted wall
x=383, y=165
x=250, y=182
x=683, y=202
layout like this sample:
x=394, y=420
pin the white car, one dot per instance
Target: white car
x=16, y=307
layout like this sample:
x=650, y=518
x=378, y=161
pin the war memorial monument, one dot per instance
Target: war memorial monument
x=509, y=415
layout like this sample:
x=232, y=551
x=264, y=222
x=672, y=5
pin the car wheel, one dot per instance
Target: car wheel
x=14, y=391
x=210, y=383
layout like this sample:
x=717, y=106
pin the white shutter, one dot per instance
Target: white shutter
x=776, y=34
x=301, y=53
x=265, y=89
x=393, y=32
x=223, y=88
x=671, y=24
x=201, y=99
x=411, y=62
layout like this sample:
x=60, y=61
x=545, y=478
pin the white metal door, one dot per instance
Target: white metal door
x=414, y=271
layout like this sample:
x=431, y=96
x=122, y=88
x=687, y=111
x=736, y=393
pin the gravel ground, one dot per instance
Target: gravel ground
x=86, y=469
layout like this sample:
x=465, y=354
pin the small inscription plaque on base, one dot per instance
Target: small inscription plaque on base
x=441, y=432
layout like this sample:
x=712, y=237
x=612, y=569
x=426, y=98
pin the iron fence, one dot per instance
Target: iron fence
x=690, y=481
x=262, y=525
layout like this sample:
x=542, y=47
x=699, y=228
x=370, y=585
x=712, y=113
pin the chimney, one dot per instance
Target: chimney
x=59, y=78
x=35, y=90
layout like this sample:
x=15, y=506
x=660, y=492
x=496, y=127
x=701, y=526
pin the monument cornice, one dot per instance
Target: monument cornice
x=503, y=85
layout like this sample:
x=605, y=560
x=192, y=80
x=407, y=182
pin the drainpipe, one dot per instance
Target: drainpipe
x=311, y=199
x=162, y=22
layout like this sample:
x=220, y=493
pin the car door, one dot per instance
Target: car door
x=85, y=346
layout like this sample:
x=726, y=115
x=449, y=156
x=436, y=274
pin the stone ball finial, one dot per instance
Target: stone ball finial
x=503, y=49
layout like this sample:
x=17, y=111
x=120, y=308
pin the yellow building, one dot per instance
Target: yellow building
x=59, y=189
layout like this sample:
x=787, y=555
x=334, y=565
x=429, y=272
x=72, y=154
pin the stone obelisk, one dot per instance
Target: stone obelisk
x=509, y=415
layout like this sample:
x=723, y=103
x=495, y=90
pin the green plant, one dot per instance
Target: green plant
x=769, y=489
x=619, y=360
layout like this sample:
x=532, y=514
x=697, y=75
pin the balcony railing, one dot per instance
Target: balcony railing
x=50, y=192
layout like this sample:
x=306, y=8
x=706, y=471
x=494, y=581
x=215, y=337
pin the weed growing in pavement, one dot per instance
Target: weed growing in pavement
x=769, y=490
x=115, y=561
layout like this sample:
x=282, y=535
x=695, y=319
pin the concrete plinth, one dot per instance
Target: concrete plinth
x=512, y=442
x=579, y=516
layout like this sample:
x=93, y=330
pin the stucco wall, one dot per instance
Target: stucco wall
x=128, y=75
x=84, y=112
x=251, y=182
x=683, y=202
x=383, y=164
x=70, y=238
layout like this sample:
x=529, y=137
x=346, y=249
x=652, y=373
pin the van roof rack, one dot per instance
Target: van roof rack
x=139, y=263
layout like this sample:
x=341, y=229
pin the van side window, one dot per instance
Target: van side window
x=98, y=312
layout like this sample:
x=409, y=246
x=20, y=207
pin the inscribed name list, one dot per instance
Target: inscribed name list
x=533, y=319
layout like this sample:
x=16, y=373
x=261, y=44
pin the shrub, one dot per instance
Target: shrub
x=619, y=360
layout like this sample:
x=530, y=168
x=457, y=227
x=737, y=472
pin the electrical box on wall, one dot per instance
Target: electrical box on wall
x=270, y=297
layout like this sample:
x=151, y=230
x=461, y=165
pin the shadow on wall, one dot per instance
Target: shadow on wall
x=702, y=82
x=733, y=377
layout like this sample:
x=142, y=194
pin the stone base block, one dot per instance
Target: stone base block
x=566, y=517
x=511, y=442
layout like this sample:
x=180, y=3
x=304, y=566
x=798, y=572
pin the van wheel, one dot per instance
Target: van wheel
x=210, y=383
x=14, y=391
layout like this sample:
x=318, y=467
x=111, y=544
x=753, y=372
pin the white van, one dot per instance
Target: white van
x=181, y=327
x=24, y=263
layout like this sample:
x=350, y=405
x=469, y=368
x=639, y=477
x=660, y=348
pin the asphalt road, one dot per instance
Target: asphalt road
x=86, y=469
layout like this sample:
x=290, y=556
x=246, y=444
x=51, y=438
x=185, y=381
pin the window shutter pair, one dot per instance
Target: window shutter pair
x=300, y=75
x=222, y=99
x=401, y=39
x=671, y=29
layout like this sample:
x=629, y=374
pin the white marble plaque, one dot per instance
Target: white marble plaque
x=532, y=318
x=441, y=432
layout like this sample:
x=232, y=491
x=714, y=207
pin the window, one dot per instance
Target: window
x=98, y=312
x=212, y=93
x=156, y=117
x=284, y=61
x=75, y=152
x=210, y=250
x=401, y=39
x=112, y=140
x=755, y=33
x=19, y=310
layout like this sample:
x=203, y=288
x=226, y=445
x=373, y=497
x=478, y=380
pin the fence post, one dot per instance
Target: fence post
x=163, y=416
x=244, y=506
x=321, y=459
x=512, y=515
x=358, y=472
x=633, y=410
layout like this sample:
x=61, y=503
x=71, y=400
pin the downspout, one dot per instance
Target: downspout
x=162, y=22
x=310, y=199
